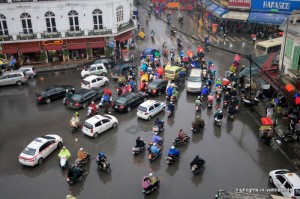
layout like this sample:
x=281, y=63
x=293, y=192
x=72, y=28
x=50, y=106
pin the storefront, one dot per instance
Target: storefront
x=122, y=42
x=214, y=9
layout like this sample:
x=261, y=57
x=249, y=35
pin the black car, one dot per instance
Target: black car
x=83, y=97
x=157, y=86
x=121, y=69
x=52, y=93
x=129, y=100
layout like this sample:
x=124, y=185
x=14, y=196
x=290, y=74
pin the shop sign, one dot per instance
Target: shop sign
x=222, y=2
x=111, y=44
x=53, y=42
x=283, y=6
x=244, y=4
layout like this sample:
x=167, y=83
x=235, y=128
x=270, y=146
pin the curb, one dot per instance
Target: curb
x=55, y=69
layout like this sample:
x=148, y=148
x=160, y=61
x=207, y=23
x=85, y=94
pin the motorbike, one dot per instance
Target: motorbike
x=63, y=162
x=202, y=97
x=196, y=169
x=218, y=97
x=80, y=163
x=157, y=129
x=74, y=126
x=290, y=136
x=218, y=122
x=173, y=32
x=198, y=108
x=209, y=104
x=230, y=116
x=148, y=191
x=137, y=150
x=260, y=34
x=91, y=112
x=180, y=19
x=171, y=159
x=81, y=174
x=225, y=103
x=168, y=96
x=100, y=166
x=178, y=141
x=198, y=128
x=169, y=113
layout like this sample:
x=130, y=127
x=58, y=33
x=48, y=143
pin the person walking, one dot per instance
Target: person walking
x=253, y=38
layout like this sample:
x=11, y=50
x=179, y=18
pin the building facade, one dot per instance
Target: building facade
x=64, y=29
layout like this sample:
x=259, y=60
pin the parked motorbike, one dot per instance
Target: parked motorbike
x=178, y=141
x=171, y=159
x=70, y=178
x=107, y=167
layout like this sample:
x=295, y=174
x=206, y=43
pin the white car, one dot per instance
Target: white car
x=95, y=69
x=150, y=108
x=98, y=124
x=28, y=70
x=287, y=183
x=94, y=81
x=194, y=81
x=39, y=149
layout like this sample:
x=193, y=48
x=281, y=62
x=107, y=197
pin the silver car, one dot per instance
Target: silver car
x=13, y=77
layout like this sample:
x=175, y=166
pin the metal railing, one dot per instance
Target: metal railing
x=100, y=32
x=26, y=36
x=50, y=35
x=125, y=26
x=75, y=33
x=5, y=38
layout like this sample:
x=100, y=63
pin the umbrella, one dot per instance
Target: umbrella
x=297, y=100
x=210, y=98
x=289, y=88
x=266, y=121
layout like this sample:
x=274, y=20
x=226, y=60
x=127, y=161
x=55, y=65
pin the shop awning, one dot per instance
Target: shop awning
x=76, y=46
x=267, y=18
x=9, y=50
x=53, y=47
x=211, y=7
x=205, y=3
x=216, y=10
x=123, y=37
x=234, y=15
x=100, y=44
x=30, y=49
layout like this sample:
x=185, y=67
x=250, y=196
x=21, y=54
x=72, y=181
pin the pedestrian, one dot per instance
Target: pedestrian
x=224, y=36
x=270, y=112
x=269, y=136
x=253, y=38
x=138, y=26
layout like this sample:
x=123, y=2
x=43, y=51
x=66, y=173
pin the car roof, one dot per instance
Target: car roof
x=13, y=72
x=30, y=67
x=174, y=68
x=294, y=179
x=37, y=143
x=95, y=119
x=149, y=102
x=90, y=77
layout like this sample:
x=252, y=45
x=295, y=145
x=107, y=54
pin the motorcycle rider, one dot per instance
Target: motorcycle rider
x=198, y=123
x=154, y=149
x=156, y=139
x=107, y=91
x=102, y=159
x=198, y=102
x=180, y=17
x=81, y=155
x=233, y=93
x=197, y=163
x=139, y=143
x=226, y=97
x=174, y=94
x=68, y=95
x=218, y=82
x=146, y=183
x=173, y=152
x=181, y=134
x=121, y=81
x=159, y=123
x=218, y=115
x=92, y=109
x=64, y=152
x=210, y=98
x=171, y=107
x=209, y=82
x=132, y=84
x=182, y=75
x=234, y=80
x=75, y=119
x=105, y=98
x=204, y=91
x=231, y=110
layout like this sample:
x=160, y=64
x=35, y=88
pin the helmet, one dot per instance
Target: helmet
x=172, y=147
x=150, y=174
x=77, y=114
x=81, y=149
x=198, y=97
x=93, y=102
x=154, y=144
x=198, y=116
x=171, y=102
x=64, y=147
x=101, y=154
x=67, y=90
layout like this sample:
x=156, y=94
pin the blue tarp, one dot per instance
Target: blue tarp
x=219, y=11
x=206, y=3
x=212, y=7
x=267, y=18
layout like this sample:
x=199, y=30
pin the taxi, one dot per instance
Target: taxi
x=173, y=72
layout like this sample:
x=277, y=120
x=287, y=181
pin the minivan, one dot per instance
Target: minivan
x=28, y=70
x=13, y=77
x=94, y=81
x=194, y=81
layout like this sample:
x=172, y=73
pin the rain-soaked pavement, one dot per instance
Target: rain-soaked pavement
x=235, y=156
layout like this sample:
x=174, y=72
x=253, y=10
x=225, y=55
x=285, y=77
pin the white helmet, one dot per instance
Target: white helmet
x=154, y=144
x=172, y=147
x=81, y=149
x=150, y=174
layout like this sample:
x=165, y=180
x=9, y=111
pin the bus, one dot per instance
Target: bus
x=269, y=46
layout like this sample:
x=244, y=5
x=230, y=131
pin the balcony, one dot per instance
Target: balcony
x=100, y=32
x=5, y=38
x=75, y=33
x=50, y=35
x=26, y=36
x=125, y=26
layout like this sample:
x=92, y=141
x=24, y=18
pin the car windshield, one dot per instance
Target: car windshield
x=88, y=125
x=194, y=79
x=85, y=82
x=76, y=97
x=297, y=192
x=121, y=100
x=153, y=84
x=29, y=151
x=170, y=72
x=142, y=108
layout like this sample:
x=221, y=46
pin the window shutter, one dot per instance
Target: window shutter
x=289, y=47
x=295, y=59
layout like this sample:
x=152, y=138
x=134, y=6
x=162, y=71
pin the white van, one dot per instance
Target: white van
x=94, y=81
x=95, y=69
x=194, y=81
x=150, y=108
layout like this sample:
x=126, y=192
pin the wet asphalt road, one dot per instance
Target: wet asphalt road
x=235, y=156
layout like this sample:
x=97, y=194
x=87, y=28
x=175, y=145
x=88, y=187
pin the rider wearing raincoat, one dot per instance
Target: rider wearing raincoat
x=64, y=152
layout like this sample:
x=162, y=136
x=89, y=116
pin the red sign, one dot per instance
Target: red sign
x=53, y=42
x=239, y=4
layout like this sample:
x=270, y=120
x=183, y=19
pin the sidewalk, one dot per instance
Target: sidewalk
x=290, y=150
x=59, y=66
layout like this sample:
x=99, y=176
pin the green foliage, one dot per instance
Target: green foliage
x=66, y=52
x=108, y=51
x=42, y=56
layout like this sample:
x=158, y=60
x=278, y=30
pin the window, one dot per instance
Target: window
x=50, y=22
x=119, y=13
x=98, y=124
x=97, y=18
x=296, y=58
x=289, y=47
x=3, y=25
x=73, y=20
x=26, y=23
x=281, y=179
x=105, y=121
